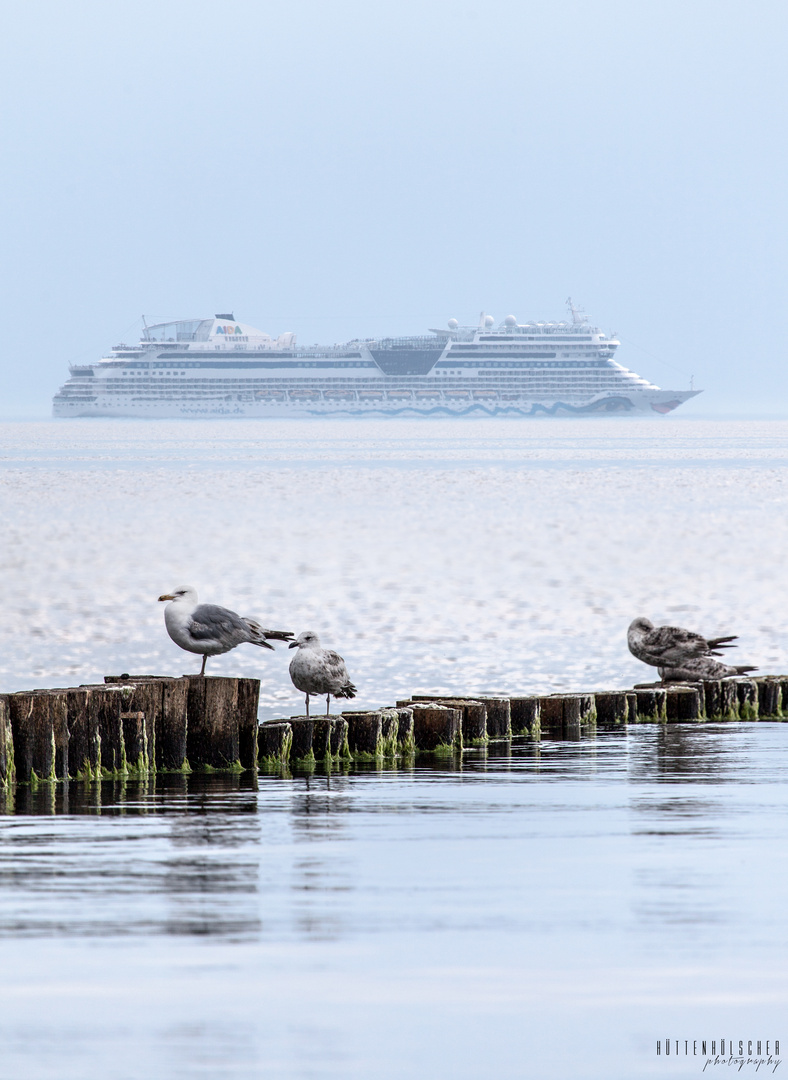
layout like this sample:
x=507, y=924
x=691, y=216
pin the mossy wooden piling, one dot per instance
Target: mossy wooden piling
x=365, y=734
x=437, y=728
x=7, y=770
x=525, y=715
x=499, y=716
x=221, y=722
x=474, y=717
x=274, y=742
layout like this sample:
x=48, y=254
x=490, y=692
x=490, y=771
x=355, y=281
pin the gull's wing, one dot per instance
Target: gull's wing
x=209, y=622
x=334, y=664
x=670, y=645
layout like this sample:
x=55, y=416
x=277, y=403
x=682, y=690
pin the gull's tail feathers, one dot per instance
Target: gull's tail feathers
x=720, y=643
x=348, y=691
x=260, y=634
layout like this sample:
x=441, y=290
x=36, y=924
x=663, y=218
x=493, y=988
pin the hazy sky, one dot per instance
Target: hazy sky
x=347, y=169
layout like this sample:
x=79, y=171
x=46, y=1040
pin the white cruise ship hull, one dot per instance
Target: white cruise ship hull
x=661, y=401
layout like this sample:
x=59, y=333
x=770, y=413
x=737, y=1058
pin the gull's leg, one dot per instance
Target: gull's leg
x=307, y=706
x=204, y=658
x=328, y=703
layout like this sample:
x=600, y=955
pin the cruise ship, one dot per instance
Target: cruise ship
x=221, y=367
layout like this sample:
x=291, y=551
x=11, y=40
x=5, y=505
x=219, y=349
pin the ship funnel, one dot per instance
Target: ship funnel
x=230, y=317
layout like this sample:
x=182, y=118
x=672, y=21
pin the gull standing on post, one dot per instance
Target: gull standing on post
x=210, y=629
x=319, y=671
x=681, y=655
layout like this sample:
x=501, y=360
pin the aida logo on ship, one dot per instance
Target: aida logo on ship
x=229, y=330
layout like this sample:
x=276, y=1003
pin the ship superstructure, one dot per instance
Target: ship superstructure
x=221, y=367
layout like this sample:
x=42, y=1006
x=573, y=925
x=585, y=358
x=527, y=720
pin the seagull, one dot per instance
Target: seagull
x=318, y=671
x=209, y=629
x=670, y=646
x=701, y=667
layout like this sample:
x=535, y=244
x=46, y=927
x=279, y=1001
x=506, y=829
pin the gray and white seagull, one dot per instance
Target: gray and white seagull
x=315, y=670
x=210, y=629
x=681, y=655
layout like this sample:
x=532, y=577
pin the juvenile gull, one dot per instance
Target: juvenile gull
x=670, y=646
x=209, y=629
x=700, y=668
x=319, y=671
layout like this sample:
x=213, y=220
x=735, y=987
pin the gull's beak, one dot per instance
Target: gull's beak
x=293, y=645
x=166, y=597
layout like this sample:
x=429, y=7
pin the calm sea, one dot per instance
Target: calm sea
x=547, y=910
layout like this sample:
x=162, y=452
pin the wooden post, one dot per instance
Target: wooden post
x=499, y=716
x=7, y=770
x=564, y=716
x=712, y=696
x=172, y=726
x=729, y=700
x=651, y=705
x=747, y=693
x=365, y=735
x=769, y=698
x=389, y=731
x=405, y=739
x=474, y=717
x=212, y=733
x=248, y=699
x=612, y=709
x=783, y=694
x=437, y=728
x=135, y=741
x=339, y=742
x=84, y=748
x=525, y=716
x=632, y=707
x=105, y=704
x=683, y=704
x=551, y=716
x=33, y=735
x=274, y=741
x=302, y=750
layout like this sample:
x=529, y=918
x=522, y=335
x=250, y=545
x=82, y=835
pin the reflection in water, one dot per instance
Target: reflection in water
x=298, y=918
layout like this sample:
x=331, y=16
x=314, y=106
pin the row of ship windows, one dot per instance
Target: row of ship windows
x=590, y=379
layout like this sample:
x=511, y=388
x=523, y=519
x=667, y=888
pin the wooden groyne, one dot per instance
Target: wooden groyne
x=134, y=724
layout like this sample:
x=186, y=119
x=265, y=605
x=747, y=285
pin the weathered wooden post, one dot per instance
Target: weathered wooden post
x=499, y=716
x=214, y=736
x=525, y=716
x=339, y=741
x=37, y=724
x=135, y=741
x=105, y=704
x=474, y=716
x=274, y=742
x=564, y=716
x=437, y=728
x=389, y=731
x=301, y=751
x=365, y=735
x=246, y=709
x=769, y=698
x=612, y=709
x=747, y=693
x=651, y=705
x=405, y=739
x=551, y=716
x=683, y=704
x=7, y=769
